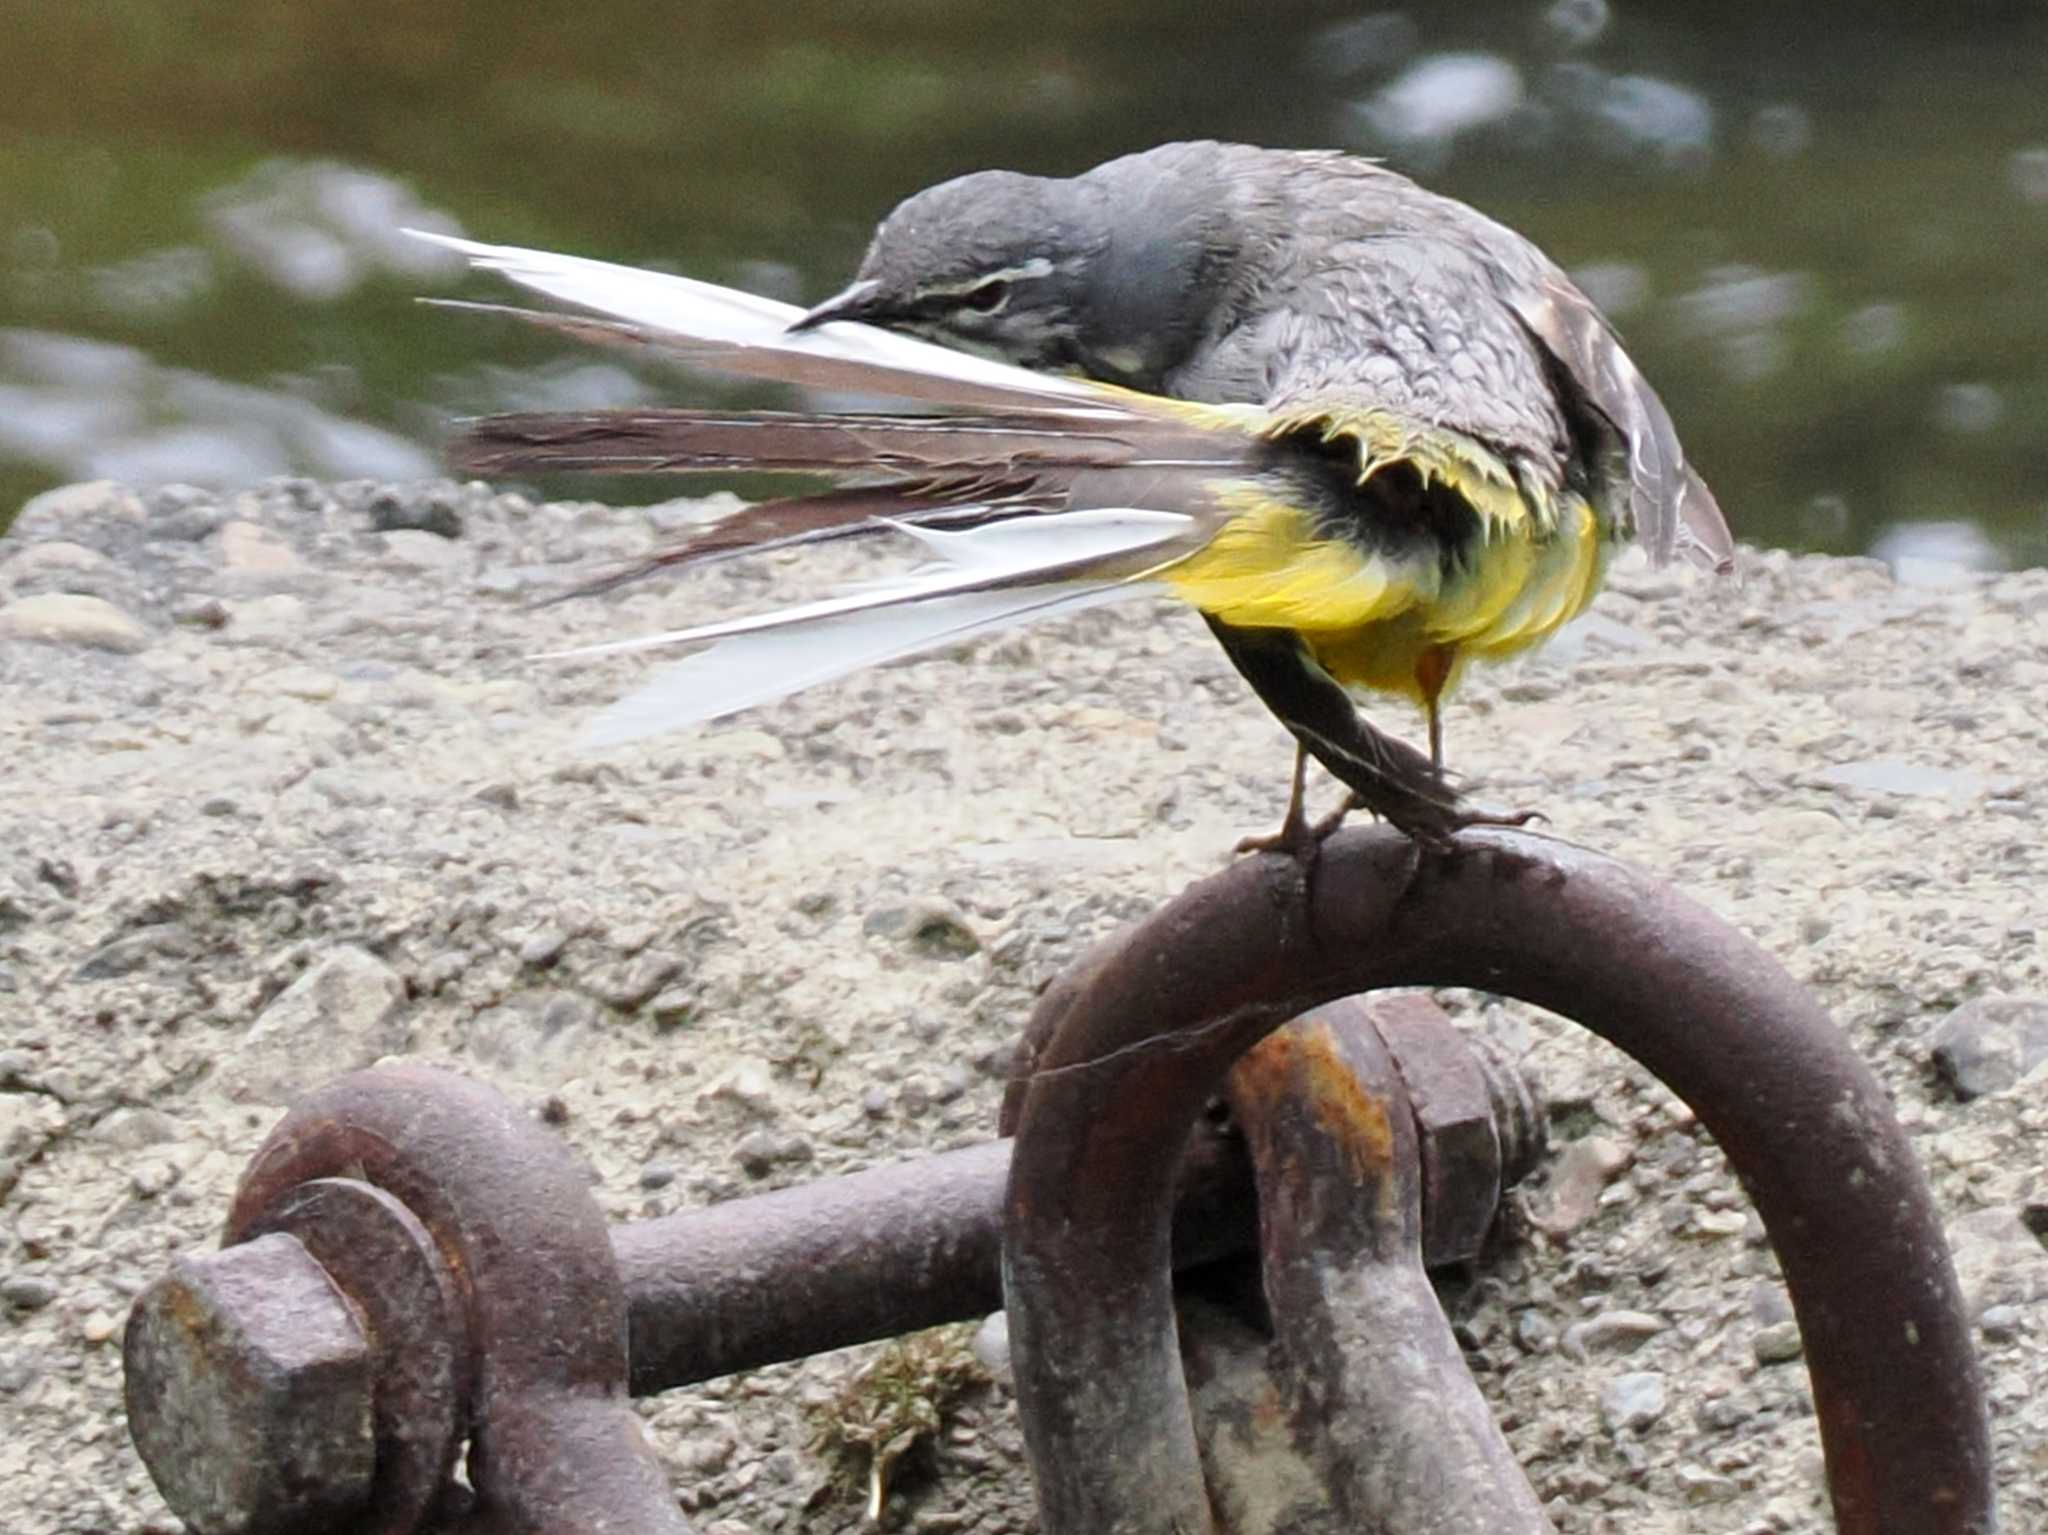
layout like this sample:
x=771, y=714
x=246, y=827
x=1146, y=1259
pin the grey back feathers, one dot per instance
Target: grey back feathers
x=1301, y=281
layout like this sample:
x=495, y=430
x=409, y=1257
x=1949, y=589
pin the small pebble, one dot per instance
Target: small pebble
x=1633, y=1401
x=27, y=1292
x=1777, y=1344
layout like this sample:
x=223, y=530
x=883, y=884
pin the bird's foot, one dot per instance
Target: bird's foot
x=1299, y=837
x=1436, y=830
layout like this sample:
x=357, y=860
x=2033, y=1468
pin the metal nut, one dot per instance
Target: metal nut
x=249, y=1392
x=1457, y=1121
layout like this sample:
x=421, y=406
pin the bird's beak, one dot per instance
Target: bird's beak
x=849, y=304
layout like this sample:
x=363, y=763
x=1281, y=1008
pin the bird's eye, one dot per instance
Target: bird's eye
x=989, y=298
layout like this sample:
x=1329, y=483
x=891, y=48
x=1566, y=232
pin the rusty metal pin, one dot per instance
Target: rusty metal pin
x=1357, y=1411
x=1139, y=1035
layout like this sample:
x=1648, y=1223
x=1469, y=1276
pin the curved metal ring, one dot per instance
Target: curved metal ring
x=555, y=1445
x=1137, y=1037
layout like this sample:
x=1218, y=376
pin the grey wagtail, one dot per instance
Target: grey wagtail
x=1368, y=433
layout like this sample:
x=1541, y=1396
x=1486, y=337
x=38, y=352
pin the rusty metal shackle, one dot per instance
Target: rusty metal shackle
x=463, y=1274
x=410, y=1256
x=1130, y=1044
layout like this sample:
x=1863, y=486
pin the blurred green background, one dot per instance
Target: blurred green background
x=1824, y=230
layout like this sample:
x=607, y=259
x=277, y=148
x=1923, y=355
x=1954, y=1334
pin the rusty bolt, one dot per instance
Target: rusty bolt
x=1478, y=1125
x=249, y=1392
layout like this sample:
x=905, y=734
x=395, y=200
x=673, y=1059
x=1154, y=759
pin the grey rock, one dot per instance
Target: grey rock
x=543, y=946
x=136, y=1128
x=431, y=510
x=70, y=618
x=1770, y=1304
x=1988, y=1044
x=28, y=1292
x=1699, y=1485
x=423, y=551
x=341, y=1014
x=1611, y=1332
x=1999, y=1259
x=933, y=928
x=1535, y=1333
x=1723, y=1414
x=750, y=1086
x=1584, y=1168
x=1633, y=1401
x=760, y=1152
x=1896, y=776
x=65, y=507
x=991, y=1345
x=1778, y=1343
x=637, y=981
x=2001, y=1324
x=250, y=549
x=131, y=951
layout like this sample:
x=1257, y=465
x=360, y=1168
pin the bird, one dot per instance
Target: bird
x=1369, y=434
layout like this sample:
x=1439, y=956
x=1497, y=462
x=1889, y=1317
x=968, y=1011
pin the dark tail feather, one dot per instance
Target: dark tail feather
x=723, y=442
x=947, y=471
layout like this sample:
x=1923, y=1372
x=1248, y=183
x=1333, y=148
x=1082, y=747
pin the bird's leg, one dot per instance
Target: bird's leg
x=1295, y=834
x=1432, y=671
x=1386, y=776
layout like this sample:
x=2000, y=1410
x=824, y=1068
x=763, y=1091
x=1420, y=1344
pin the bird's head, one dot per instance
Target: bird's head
x=994, y=263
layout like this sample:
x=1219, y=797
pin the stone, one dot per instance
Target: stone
x=935, y=929
x=991, y=1345
x=1584, y=1168
x=1611, y=1332
x=54, y=558
x=1632, y=1402
x=1999, y=1260
x=252, y=549
x=340, y=1015
x=1896, y=776
x=411, y=549
x=70, y=618
x=1699, y=1485
x=1535, y=1333
x=68, y=505
x=28, y=1292
x=2000, y=1324
x=1989, y=1043
x=131, y=951
x=1778, y=1343
x=135, y=1128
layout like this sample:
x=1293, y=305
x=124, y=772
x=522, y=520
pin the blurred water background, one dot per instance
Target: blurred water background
x=1823, y=229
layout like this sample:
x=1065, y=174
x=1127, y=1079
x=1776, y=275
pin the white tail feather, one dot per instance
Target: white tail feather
x=747, y=333
x=760, y=666
x=1056, y=545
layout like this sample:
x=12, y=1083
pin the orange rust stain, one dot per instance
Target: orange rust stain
x=1307, y=1066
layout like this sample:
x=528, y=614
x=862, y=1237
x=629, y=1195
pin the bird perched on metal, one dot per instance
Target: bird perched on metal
x=1371, y=435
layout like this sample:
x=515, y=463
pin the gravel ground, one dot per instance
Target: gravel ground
x=283, y=796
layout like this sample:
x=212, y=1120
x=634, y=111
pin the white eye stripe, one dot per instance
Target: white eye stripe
x=1037, y=266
